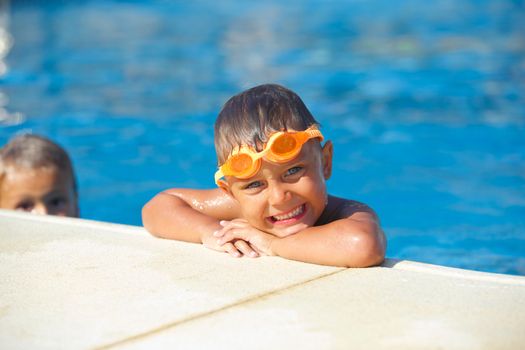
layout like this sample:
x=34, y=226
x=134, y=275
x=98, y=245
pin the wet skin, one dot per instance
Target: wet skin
x=283, y=199
x=283, y=210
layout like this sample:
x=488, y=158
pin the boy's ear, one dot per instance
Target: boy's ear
x=327, y=153
x=223, y=185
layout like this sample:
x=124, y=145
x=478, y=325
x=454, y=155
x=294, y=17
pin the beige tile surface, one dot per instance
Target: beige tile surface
x=378, y=308
x=78, y=284
x=69, y=283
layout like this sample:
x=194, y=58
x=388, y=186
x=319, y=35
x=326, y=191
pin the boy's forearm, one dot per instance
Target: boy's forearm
x=167, y=216
x=337, y=244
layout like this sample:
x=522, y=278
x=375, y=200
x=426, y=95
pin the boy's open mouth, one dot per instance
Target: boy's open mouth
x=294, y=214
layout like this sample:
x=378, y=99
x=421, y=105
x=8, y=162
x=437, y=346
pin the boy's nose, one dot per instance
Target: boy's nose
x=278, y=194
x=40, y=208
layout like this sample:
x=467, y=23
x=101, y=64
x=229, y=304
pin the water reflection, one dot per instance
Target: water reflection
x=425, y=103
x=6, y=42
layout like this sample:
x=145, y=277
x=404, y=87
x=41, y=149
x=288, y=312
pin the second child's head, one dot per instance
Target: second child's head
x=271, y=160
x=36, y=175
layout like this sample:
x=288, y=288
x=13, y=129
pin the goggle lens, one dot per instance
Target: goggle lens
x=284, y=144
x=241, y=163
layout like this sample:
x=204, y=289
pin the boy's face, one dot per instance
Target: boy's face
x=41, y=191
x=283, y=199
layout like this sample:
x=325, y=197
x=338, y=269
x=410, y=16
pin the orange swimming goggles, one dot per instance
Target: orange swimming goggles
x=244, y=162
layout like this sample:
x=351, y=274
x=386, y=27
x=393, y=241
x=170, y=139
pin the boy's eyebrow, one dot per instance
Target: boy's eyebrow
x=56, y=192
x=244, y=181
x=22, y=199
x=53, y=194
x=304, y=152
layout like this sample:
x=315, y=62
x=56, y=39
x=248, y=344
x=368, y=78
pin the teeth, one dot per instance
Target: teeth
x=293, y=213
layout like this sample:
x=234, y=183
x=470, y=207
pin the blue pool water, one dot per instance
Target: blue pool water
x=424, y=101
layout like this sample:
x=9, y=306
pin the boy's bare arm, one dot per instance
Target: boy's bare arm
x=349, y=235
x=187, y=214
x=356, y=241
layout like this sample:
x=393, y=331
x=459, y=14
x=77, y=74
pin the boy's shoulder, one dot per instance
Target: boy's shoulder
x=341, y=208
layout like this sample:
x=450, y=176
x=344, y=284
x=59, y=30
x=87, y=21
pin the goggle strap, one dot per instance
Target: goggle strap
x=312, y=133
x=218, y=175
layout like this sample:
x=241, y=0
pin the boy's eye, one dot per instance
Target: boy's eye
x=57, y=201
x=25, y=206
x=252, y=185
x=293, y=171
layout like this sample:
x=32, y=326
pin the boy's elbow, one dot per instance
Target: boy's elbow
x=371, y=251
x=147, y=219
x=367, y=248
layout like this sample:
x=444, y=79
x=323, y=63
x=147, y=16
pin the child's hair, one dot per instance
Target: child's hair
x=249, y=117
x=33, y=152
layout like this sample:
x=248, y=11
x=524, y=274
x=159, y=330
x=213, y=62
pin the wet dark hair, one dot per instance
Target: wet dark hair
x=249, y=117
x=33, y=152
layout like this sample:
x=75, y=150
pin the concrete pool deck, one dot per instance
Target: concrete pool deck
x=80, y=284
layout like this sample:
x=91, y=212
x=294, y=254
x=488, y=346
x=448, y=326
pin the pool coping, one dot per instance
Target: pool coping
x=36, y=245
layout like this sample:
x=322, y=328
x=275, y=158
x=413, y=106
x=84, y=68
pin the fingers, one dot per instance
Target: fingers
x=235, y=247
x=245, y=239
x=240, y=248
x=245, y=249
x=227, y=225
x=232, y=230
x=232, y=235
x=234, y=223
x=232, y=250
x=224, y=234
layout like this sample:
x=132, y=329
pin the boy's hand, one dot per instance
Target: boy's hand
x=236, y=248
x=239, y=229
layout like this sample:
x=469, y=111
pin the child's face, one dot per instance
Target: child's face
x=41, y=191
x=283, y=199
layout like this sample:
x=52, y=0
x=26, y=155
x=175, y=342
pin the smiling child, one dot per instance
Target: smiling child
x=271, y=197
x=36, y=176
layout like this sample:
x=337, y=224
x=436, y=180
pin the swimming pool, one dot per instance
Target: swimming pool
x=425, y=104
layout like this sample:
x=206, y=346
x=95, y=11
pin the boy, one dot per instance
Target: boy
x=272, y=197
x=36, y=176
